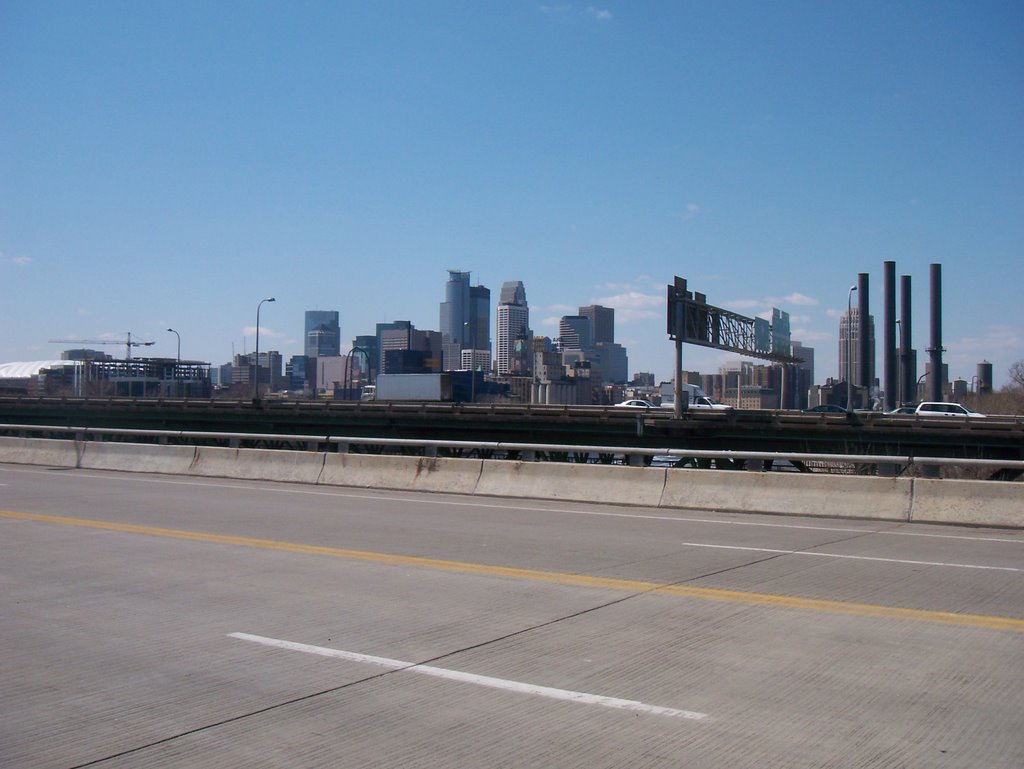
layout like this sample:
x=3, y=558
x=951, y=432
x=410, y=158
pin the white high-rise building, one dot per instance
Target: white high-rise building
x=513, y=323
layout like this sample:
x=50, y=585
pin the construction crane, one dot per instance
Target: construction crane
x=128, y=343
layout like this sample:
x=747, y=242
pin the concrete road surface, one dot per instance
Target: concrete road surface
x=153, y=621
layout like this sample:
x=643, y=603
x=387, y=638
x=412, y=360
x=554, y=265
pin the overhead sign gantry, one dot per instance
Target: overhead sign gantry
x=692, y=320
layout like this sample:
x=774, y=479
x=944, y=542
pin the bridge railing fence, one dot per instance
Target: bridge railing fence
x=832, y=463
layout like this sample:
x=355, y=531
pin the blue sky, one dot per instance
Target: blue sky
x=169, y=164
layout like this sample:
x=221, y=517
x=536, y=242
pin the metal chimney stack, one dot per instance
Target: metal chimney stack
x=908, y=368
x=935, y=378
x=864, y=368
x=890, y=383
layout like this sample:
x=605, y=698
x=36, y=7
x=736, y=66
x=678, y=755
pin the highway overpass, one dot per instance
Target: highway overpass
x=856, y=433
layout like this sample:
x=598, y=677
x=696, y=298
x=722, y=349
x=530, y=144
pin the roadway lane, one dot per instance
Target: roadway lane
x=160, y=621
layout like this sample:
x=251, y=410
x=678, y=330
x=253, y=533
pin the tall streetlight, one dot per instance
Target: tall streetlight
x=256, y=386
x=899, y=368
x=849, y=348
x=177, y=368
x=917, y=387
x=348, y=368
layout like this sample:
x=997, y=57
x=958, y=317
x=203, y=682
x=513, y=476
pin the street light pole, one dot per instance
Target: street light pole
x=849, y=348
x=177, y=372
x=917, y=387
x=256, y=386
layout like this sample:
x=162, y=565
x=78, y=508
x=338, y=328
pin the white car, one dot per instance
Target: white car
x=635, y=403
x=704, y=402
x=939, y=409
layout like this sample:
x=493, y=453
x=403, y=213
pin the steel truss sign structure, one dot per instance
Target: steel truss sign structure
x=692, y=320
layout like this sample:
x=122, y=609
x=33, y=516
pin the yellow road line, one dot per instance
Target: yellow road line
x=579, y=580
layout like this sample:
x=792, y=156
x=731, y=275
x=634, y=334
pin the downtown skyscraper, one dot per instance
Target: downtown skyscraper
x=323, y=334
x=851, y=331
x=465, y=324
x=512, y=330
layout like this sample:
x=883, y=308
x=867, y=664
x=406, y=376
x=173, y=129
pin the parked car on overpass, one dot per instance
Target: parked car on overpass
x=704, y=402
x=826, y=408
x=942, y=409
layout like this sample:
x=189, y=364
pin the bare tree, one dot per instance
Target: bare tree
x=1017, y=373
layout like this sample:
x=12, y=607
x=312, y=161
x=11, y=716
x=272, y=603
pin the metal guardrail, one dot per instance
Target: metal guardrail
x=631, y=455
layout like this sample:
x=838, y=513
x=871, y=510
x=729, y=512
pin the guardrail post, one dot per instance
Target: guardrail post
x=528, y=456
x=430, y=451
x=635, y=460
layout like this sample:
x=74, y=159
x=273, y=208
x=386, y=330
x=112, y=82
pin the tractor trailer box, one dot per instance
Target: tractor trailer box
x=413, y=387
x=668, y=397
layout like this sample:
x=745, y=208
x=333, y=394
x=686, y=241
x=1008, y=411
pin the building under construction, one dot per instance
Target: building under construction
x=107, y=377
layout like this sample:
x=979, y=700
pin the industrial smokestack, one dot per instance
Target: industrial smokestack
x=889, y=334
x=984, y=386
x=935, y=378
x=865, y=362
x=908, y=362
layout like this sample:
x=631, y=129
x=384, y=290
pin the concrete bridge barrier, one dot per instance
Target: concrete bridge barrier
x=789, y=493
x=978, y=503
x=612, y=484
x=257, y=464
x=378, y=471
x=136, y=457
x=926, y=500
x=39, y=451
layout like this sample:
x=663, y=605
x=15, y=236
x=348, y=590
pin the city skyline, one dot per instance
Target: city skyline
x=317, y=322
x=159, y=168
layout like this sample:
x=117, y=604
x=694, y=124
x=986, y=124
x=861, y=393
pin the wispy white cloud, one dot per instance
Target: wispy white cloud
x=550, y=322
x=615, y=287
x=689, y=211
x=805, y=335
x=17, y=261
x=264, y=332
x=590, y=12
x=743, y=304
x=1001, y=337
x=781, y=302
x=633, y=305
x=801, y=300
x=565, y=309
x=600, y=14
x=999, y=345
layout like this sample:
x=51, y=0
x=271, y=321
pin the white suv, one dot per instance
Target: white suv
x=937, y=409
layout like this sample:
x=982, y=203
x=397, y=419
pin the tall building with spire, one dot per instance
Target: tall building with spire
x=513, y=324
